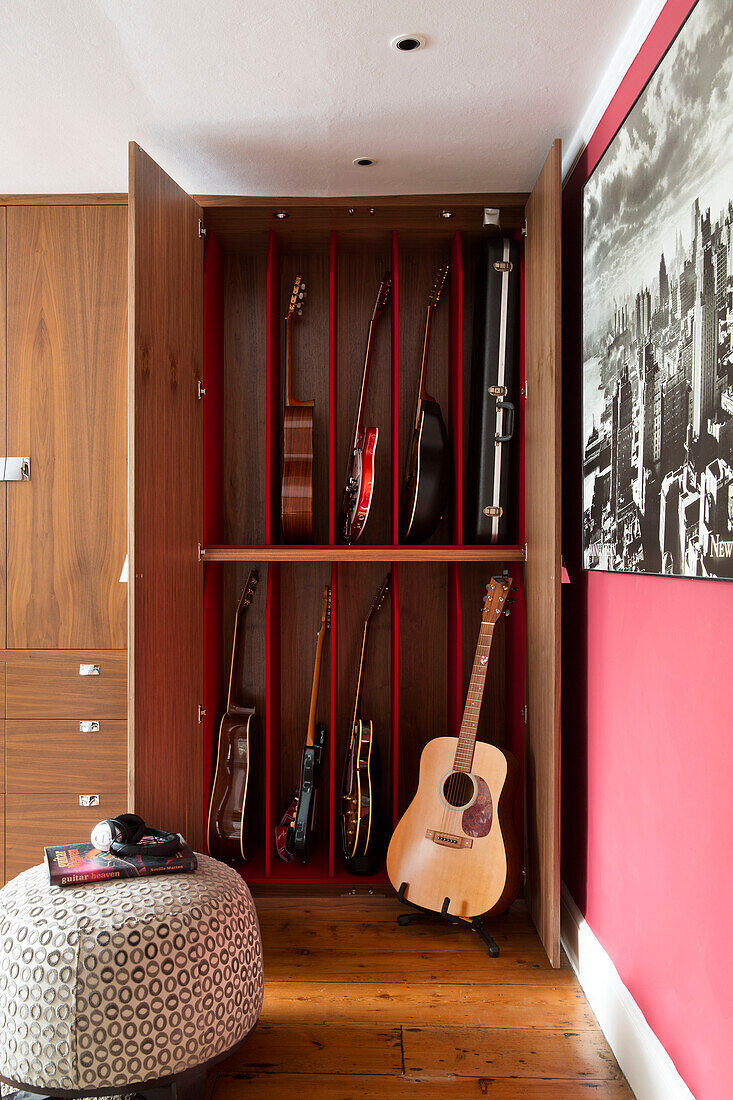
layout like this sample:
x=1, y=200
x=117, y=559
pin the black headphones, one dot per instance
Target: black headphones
x=128, y=835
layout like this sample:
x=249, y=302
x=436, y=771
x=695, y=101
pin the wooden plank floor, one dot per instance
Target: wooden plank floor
x=357, y=1007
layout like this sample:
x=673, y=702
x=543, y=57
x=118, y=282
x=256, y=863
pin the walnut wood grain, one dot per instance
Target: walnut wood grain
x=297, y=482
x=47, y=684
x=166, y=590
x=3, y=405
x=364, y=553
x=543, y=458
x=31, y=824
x=71, y=761
x=66, y=344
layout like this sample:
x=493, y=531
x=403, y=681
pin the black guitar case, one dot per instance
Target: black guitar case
x=491, y=484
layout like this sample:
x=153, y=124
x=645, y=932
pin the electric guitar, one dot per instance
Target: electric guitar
x=360, y=791
x=295, y=835
x=455, y=850
x=357, y=497
x=297, y=477
x=235, y=806
x=427, y=473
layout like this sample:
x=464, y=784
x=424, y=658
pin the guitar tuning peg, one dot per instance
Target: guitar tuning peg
x=507, y=613
x=515, y=588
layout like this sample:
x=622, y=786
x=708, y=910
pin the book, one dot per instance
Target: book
x=74, y=864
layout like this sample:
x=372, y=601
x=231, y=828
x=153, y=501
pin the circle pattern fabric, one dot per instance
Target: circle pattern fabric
x=118, y=983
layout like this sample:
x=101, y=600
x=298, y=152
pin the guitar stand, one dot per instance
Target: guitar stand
x=423, y=915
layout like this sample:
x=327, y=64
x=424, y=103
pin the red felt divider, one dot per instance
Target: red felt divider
x=456, y=382
x=395, y=388
x=395, y=686
x=272, y=713
x=332, y=385
x=333, y=732
x=272, y=444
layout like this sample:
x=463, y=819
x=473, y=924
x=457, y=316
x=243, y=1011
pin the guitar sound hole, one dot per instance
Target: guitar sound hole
x=458, y=789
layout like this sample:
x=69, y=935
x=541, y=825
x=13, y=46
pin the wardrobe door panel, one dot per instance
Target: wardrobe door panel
x=3, y=377
x=542, y=569
x=166, y=443
x=66, y=398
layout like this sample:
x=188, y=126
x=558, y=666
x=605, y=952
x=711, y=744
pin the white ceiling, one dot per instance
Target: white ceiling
x=279, y=96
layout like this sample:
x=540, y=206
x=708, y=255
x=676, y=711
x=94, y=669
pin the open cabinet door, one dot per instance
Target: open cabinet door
x=165, y=491
x=542, y=568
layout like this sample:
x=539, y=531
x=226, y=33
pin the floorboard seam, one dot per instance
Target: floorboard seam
x=402, y=1049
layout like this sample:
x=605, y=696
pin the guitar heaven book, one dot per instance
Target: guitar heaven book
x=75, y=864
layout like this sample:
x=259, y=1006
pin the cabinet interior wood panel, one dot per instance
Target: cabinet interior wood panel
x=70, y=761
x=31, y=824
x=66, y=409
x=542, y=570
x=49, y=685
x=3, y=377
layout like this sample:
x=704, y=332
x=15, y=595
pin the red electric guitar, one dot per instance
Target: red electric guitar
x=357, y=498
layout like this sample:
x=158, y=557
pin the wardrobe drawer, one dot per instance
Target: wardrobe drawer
x=33, y=821
x=67, y=684
x=55, y=756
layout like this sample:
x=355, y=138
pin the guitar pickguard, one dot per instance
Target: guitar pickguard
x=477, y=819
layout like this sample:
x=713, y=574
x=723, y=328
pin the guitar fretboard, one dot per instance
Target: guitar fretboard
x=467, y=738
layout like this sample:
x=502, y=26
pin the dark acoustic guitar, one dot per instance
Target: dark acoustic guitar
x=297, y=479
x=455, y=850
x=359, y=488
x=428, y=470
x=235, y=808
x=361, y=838
x=295, y=835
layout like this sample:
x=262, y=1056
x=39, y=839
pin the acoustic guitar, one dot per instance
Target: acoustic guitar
x=428, y=469
x=295, y=835
x=360, y=792
x=297, y=477
x=359, y=488
x=455, y=850
x=235, y=807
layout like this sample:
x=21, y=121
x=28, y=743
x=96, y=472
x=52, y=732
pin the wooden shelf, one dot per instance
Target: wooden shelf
x=362, y=553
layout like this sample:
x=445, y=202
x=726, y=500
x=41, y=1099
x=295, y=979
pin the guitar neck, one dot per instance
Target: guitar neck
x=290, y=401
x=360, y=675
x=364, y=381
x=233, y=706
x=422, y=393
x=474, y=697
x=310, y=736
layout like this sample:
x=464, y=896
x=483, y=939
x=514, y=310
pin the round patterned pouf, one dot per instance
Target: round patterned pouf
x=114, y=984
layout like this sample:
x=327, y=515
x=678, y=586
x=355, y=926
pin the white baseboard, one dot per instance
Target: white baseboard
x=643, y=1060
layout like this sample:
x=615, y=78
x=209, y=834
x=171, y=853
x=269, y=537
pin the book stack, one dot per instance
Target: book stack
x=74, y=864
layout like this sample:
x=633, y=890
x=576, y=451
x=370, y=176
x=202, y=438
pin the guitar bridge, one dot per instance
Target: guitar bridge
x=450, y=840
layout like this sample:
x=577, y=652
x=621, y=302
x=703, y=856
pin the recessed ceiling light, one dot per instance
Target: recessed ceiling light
x=281, y=214
x=407, y=43
x=362, y=162
x=447, y=214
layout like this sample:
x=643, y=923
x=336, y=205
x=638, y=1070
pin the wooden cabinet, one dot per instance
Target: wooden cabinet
x=63, y=610
x=204, y=492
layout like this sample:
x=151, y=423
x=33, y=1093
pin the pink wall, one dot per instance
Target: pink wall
x=648, y=735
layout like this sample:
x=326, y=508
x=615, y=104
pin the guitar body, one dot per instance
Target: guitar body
x=295, y=835
x=360, y=801
x=235, y=808
x=467, y=852
x=359, y=490
x=427, y=478
x=297, y=479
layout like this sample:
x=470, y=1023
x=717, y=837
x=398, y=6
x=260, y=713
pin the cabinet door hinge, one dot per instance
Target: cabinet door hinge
x=200, y=389
x=202, y=712
x=525, y=713
x=202, y=552
x=492, y=215
x=524, y=229
x=202, y=229
x=524, y=390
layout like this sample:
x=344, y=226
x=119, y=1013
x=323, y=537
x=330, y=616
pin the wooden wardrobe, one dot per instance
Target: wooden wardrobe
x=209, y=282
x=63, y=630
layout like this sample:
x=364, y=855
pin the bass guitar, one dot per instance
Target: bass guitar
x=360, y=792
x=428, y=469
x=235, y=807
x=357, y=497
x=297, y=477
x=455, y=850
x=295, y=835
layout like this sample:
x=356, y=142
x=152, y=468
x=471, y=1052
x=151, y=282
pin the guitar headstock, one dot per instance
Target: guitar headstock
x=383, y=293
x=438, y=285
x=496, y=598
x=248, y=591
x=297, y=297
x=326, y=607
x=380, y=597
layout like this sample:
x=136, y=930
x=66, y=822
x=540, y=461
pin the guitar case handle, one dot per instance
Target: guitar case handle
x=510, y=410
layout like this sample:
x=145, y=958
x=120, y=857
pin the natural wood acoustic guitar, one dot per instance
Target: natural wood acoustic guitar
x=295, y=835
x=235, y=807
x=297, y=477
x=359, y=487
x=427, y=473
x=455, y=850
x=361, y=837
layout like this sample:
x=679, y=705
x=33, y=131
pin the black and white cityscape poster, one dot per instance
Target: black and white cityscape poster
x=658, y=319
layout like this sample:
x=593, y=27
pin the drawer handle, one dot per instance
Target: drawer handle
x=15, y=469
x=89, y=670
x=88, y=799
x=89, y=725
